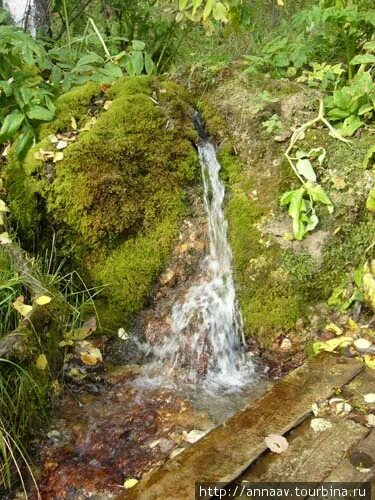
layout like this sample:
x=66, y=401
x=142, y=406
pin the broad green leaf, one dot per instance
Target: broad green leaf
x=363, y=59
x=305, y=168
x=138, y=45
x=40, y=113
x=366, y=108
x=312, y=223
x=149, y=64
x=137, y=62
x=369, y=46
x=208, y=9
x=296, y=203
x=220, y=12
x=24, y=142
x=11, y=124
x=286, y=197
x=351, y=125
x=317, y=193
x=89, y=59
x=182, y=4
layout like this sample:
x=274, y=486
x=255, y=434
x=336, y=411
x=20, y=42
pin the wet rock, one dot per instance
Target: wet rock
x=123, y=352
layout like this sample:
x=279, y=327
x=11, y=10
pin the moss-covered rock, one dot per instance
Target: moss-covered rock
x=280, y=281
x=115, y=201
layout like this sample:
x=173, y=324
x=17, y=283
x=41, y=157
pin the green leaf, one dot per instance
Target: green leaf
x=370, y=203
x=149, y=64
x=220, y=12
x=40, y=113
x=137, y=62
x=351, y=125
x=90, y=59
x=286, y=198
x=317, y=193
x=24, y=142
x=363, y=59
x=369, y=46
x=358, y=277
x=366, y=108
x=138, y=45
x=295, y=204
x=11, y=124
x=305, y=168
x=182, y=4
x=208, y=9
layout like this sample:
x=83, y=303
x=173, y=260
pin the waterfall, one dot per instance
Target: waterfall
x=207, y=341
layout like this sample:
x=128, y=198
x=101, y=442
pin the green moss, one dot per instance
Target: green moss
x=131, y=270
x=300, y=266
x=343, y=254
x=116, y=199
x=73, y=104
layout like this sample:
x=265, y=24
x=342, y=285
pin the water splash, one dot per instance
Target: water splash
x=207, y=341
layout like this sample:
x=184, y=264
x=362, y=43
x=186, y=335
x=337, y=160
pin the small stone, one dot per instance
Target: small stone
x=320, y=424
x=286, y=345
x=362, y=344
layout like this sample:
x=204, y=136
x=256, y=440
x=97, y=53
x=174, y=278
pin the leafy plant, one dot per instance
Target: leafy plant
x=354, y=104
x=302, y=202
x=273, y=124
x=25, y=96
x=279, y=55
x=324, y=76
x=343, y=297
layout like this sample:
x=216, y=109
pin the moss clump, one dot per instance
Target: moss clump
x=270, y=294
x=116, y=199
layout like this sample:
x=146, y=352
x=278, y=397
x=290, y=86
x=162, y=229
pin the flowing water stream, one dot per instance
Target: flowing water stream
x=207, y=330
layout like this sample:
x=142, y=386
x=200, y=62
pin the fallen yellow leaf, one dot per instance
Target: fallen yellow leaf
x=43, y=300
x=58, y=156
x=5, y=239
x=22, y=308
x=41, y=362
x=129, y=483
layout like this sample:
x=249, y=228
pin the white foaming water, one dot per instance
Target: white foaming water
x=207, y=326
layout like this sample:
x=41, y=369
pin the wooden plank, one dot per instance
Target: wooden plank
x=358, y=465
x=224, y=453
x=311, y=455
